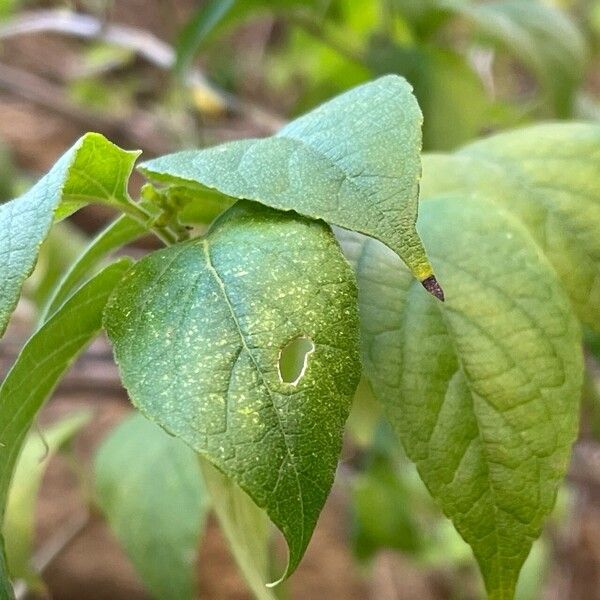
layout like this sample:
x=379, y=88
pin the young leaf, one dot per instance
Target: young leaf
x=142, y=474
x=92, y=170
x=198, y=330
x=353, y=162
x=19, y=520
x=246, y=528
x=484, y=390
x=546, y=176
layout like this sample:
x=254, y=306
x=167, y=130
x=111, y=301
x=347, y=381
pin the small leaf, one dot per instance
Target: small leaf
x=353, y=162
x=19, y=520
x=484, y=390
x=93, y=170
x=246, y=528
x=43, y=360
x=197, y=331
x=546, y=175
x=149, y=486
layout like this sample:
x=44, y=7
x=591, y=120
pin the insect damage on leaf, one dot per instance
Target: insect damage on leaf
x=198, y=331
x=293, y=359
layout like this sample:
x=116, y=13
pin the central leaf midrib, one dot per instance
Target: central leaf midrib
x=221, y=284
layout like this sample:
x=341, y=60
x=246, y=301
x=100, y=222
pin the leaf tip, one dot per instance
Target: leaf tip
x=433, y=287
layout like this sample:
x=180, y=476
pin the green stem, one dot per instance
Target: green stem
x=140, y=214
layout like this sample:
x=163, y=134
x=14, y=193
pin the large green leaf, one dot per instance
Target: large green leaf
x=92, y=170
x=19, y=521
x=484, y=390
x=43, y=361
x=198, y=330
x=149, y=486
x=547, y=176
x=353, y=162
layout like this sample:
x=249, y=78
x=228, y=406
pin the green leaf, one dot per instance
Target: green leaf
x=542, y=37
x=482, y=390
x=353, y=162
x=246, y=528
x=122, y=231
x=44, y=359
x=198, y=330
x=546, y=176
x=94, y=169
x=19, y=520
x=149, y=486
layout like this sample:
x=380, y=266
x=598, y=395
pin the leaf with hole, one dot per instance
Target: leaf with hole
x=161, y=543
x=484, y=390
x=353, y=162
x=79, y=177
x=198, y=330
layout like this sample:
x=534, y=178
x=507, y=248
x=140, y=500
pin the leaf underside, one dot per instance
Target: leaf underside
x=197, y=331
x=483, y=391
x=353, y=162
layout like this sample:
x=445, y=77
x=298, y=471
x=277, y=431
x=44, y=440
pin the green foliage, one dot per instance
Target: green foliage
x=157, y=511
x=197, y=334
x=76, y=179
x=117, y=234
x=541, y=37
x=483, y=391
x=244, y=342
x=310, y=167
x=382, y=507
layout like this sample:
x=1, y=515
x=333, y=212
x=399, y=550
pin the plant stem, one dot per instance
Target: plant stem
x=140, y=214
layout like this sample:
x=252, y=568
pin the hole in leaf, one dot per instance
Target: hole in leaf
x=293, y=359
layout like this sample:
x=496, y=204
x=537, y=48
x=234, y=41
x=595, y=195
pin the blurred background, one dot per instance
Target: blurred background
x=161, y=75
